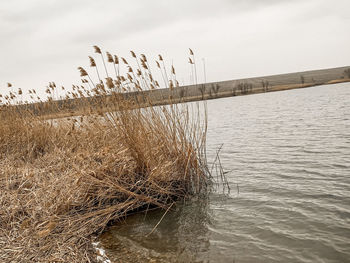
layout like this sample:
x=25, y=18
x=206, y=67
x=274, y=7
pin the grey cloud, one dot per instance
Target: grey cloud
x=103, y=19
x=39, y=35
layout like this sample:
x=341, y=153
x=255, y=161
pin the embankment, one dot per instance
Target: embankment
x=206, y=91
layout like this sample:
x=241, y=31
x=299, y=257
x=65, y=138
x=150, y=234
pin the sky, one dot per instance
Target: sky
x=46, y=40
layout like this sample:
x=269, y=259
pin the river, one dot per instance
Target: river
x=287, y=155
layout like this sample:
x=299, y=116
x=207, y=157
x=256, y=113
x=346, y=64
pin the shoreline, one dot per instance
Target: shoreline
x=190, y=93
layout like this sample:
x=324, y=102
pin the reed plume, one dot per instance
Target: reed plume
x=193, y=63
x=98, y=51
x=163, y=70
x=93, y=64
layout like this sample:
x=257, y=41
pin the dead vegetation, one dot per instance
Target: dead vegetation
x=62, y=181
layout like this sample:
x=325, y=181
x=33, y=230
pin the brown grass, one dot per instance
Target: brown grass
x=62, y=181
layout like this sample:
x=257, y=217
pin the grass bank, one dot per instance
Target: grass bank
x=62, y=182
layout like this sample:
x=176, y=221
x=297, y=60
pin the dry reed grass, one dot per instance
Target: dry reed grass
x=63, y=181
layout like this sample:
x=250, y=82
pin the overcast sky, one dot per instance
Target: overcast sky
x=46, y=40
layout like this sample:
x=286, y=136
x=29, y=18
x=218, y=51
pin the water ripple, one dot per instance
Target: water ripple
x=290, y=155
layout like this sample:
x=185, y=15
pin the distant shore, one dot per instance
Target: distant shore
x=249, y=86
x=190, y=93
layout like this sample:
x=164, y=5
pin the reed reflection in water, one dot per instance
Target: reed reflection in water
x=181, y=236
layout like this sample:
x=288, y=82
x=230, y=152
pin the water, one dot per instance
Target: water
x=288, y=154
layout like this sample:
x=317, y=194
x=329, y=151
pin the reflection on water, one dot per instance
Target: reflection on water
x=289, y=153
x=182, y=236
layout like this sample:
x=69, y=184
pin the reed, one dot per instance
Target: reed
x=64, y=180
